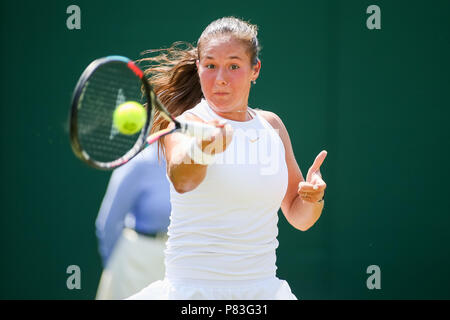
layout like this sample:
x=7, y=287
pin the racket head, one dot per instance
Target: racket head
x=105, y=84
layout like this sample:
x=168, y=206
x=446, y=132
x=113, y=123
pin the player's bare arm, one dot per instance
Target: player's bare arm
x=301, y=205
x=184, y=173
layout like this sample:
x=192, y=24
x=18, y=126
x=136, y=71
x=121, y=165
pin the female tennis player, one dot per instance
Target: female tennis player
x=226, y=191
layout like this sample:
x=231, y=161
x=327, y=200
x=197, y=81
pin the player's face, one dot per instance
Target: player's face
x=226, y=73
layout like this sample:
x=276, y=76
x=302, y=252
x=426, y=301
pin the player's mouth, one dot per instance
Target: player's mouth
x=221, y=94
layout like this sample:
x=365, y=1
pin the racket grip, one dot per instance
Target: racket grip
x=198, y=129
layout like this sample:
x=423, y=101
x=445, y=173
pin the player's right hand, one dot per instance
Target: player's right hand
x=220, y=141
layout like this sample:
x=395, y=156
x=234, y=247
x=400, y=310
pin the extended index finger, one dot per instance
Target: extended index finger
x=318, y=161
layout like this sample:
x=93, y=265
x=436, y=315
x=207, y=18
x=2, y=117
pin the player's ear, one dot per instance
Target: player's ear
x=197, y=62
x=256, y=70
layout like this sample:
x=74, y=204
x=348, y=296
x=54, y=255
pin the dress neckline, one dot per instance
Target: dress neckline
x=252, y=113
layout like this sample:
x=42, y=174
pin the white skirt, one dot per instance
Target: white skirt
x=136, y=261
x=169, y=289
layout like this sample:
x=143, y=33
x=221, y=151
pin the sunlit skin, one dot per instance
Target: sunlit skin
x=226, y=73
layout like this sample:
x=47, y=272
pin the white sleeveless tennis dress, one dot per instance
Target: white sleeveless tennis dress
x=223, y=234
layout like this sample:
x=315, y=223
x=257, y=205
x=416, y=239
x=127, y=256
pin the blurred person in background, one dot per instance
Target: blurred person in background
x=131, y=226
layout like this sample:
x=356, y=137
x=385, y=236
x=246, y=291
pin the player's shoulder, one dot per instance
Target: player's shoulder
x=271, y=117
x=275, y=121
x=188, y=115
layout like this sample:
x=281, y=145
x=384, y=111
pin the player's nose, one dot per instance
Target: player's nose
x=220, y=78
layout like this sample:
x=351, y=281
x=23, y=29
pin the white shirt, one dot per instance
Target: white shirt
x=226, y=228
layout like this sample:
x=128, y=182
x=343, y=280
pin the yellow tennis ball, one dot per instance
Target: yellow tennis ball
x=129, y=117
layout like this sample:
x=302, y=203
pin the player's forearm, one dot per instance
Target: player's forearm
x=303, y=215
x=184, y=173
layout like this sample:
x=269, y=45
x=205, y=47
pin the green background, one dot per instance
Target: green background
x=376, y=100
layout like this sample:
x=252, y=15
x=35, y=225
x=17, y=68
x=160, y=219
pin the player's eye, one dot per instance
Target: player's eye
x=210, y=66
x=234, y=67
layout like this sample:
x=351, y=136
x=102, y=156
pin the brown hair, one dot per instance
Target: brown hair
x=173, y=72
x=243, y=31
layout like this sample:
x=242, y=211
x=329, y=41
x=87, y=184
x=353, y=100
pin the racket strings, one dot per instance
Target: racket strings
x=109, y=86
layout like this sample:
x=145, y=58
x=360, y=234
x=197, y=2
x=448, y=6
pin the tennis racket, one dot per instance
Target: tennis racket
x=103, y=86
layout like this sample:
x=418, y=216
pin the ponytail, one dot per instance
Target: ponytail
x=173, y=75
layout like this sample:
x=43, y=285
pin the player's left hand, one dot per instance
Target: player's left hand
x=313, y=189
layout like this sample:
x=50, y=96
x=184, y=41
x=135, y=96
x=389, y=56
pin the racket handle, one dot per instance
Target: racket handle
x=198, y=129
